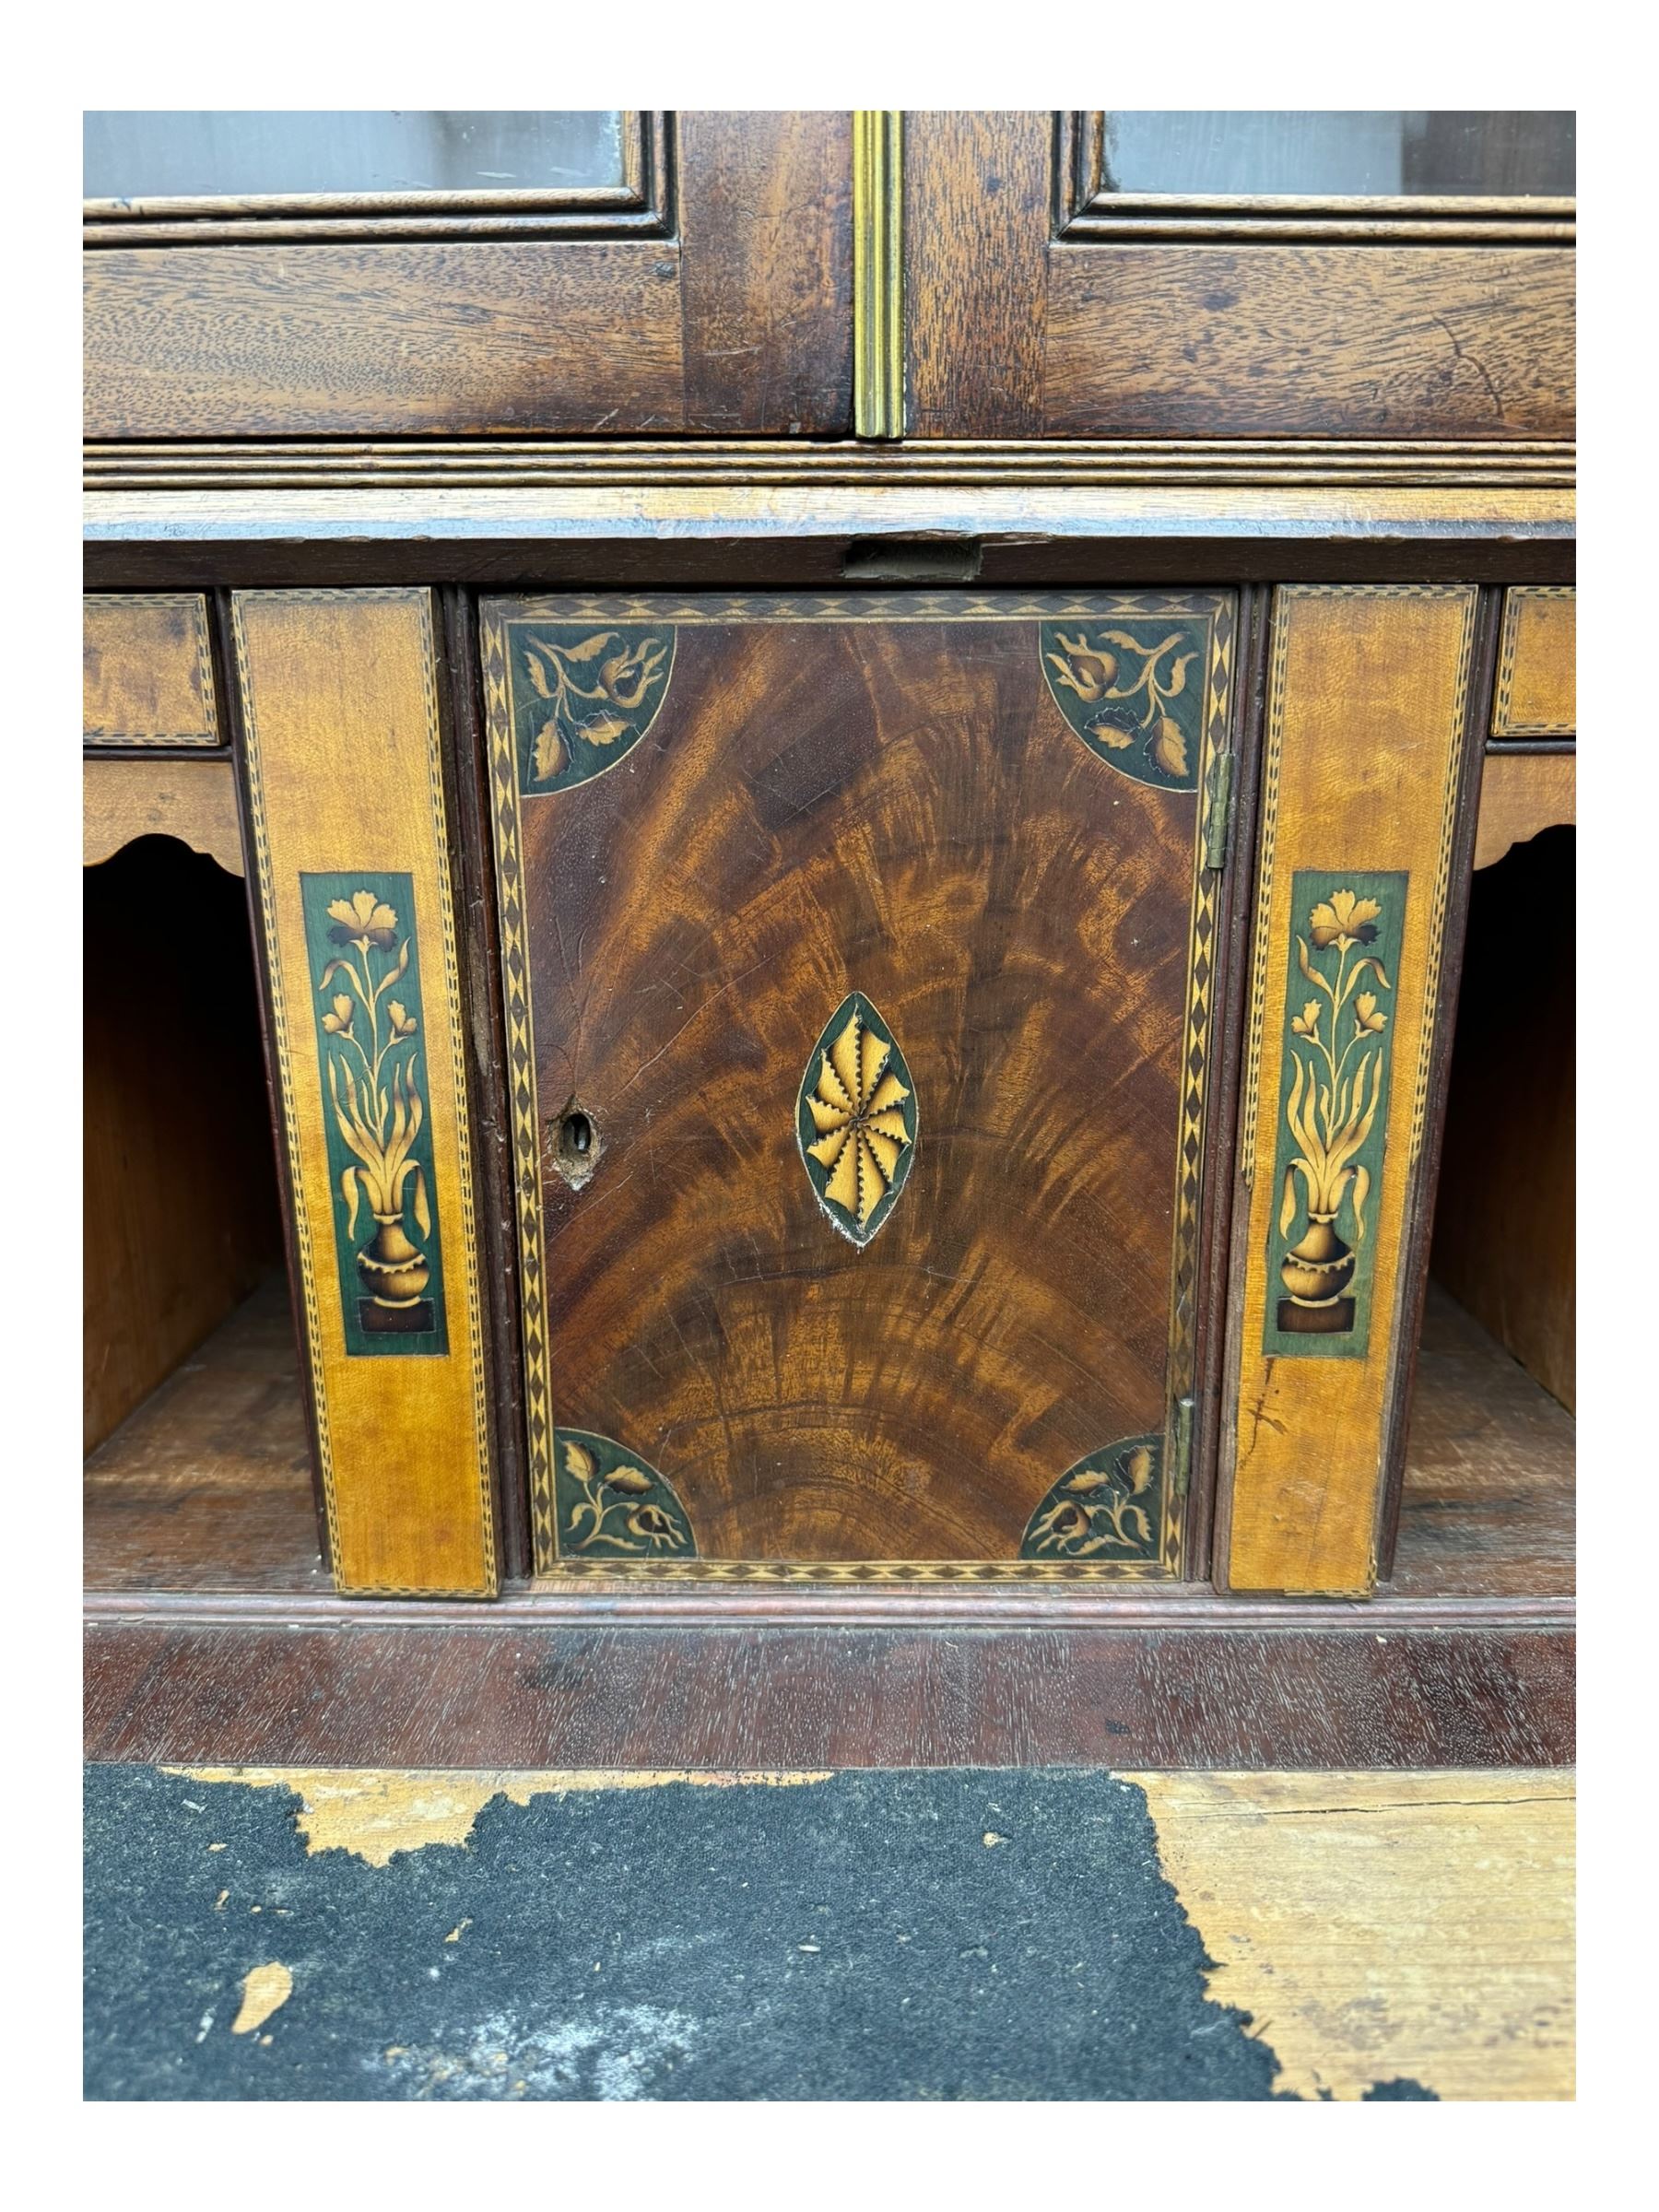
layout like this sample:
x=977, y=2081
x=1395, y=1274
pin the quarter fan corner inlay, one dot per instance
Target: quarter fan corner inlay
x=856, y=1119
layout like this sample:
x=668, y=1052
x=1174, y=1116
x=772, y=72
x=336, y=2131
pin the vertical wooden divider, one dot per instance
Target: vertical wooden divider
x=341, y=742
x=1364, y=790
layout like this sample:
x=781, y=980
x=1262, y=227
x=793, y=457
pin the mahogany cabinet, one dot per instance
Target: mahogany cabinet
x=858, y=751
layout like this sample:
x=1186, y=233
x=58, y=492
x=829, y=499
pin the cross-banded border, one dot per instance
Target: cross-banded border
x=1221, y=611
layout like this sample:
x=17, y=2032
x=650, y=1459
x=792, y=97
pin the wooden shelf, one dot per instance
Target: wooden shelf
x=1488, y=1509
x=213, y=1636
x=208, y=1487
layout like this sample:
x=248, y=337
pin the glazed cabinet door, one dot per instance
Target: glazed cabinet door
x=437, y=274
x=858, y=961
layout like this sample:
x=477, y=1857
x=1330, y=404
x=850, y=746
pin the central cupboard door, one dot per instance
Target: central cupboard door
x=857, y=959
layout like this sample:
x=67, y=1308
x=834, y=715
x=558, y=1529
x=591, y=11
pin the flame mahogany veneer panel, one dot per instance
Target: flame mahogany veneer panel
x=795, y=803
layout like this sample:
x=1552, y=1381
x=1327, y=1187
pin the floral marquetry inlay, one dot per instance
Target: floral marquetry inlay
x=582, y=695
x=1135, y=695
x=1107, y=1507
x=613, y=1506
x=366, y=971
x=1345, y=966
x=857, y=1119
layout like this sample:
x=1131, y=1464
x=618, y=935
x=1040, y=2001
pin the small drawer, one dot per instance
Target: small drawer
x=1535, y=663
x=146, y=670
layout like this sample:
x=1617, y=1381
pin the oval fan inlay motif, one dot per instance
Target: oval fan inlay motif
x=856, y=1120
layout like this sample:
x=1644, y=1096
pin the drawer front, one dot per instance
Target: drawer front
x=146, y=670
x=857, y=959
x=1536, y=694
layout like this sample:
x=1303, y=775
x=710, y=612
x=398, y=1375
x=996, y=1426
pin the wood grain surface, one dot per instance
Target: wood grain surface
x=976, y=209
x=1014, y=333
x=1368, y=714
x=268, y=341
x=1344, y=341
x=741, y=322
x=146, y=670
x=1536, y=693
x=342, y=752
x=1199, y=464
x=1522, y=794
x=1488, y=1503
x=208, y=1489
x=377, y=1695
x=208, y=1485
x=192, y=800
x=1413, y=1926
x=891, y=804
x=767, y=276
x=803, y=535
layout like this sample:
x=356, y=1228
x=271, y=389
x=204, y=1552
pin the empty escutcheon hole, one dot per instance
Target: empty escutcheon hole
x=576, y=1138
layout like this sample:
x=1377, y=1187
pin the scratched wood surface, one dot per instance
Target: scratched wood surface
x=899, y=809
x=146, y=670
x=379, y=1695
x=207, y=1486
x=193, y=801
x=1012, y=332
x=1382, y=1926
x=1366, y=728
x=742, y=321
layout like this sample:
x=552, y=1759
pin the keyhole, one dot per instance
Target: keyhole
x=574, y=1146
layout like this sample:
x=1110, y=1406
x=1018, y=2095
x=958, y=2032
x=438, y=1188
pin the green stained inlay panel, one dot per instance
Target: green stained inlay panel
x=582, y=694
x=1135, y=692
x=365, y=972
x=1342, y=970
x=614, y=1505
x=855, y=1119
x=1109, y=1506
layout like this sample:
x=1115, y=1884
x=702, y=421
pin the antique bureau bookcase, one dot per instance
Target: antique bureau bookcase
x=787, y=809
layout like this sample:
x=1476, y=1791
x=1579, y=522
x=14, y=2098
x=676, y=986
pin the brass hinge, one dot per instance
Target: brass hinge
x=1181, y=1459
x=1218, y=826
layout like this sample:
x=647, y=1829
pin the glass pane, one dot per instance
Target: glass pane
x=1364, y=151
x=135, y=155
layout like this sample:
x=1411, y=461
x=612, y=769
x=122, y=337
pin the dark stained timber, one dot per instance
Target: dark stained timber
x=749, y=1699
x=845, y=890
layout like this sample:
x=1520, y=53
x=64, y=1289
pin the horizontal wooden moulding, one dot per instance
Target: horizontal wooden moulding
x=383, y=1694
x=631, y=534
x=546, y=463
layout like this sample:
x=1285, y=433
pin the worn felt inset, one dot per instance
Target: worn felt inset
x=960, y=1934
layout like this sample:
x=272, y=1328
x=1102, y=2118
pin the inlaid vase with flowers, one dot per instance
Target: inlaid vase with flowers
x=1336, y=1091
x=374, y=1092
